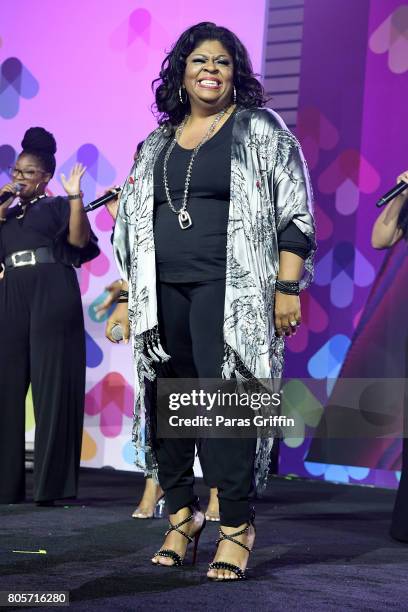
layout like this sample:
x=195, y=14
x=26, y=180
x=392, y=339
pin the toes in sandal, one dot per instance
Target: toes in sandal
x=157, y=512
x=171, y=554
x=231, y=567
x=212, y=516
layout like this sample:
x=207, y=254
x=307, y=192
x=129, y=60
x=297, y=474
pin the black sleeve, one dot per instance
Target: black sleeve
x=63, y=250
x=293, y=240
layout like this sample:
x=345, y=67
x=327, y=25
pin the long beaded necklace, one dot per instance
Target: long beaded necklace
x=183, y=216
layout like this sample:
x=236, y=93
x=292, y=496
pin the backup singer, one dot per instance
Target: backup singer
x=41, y=324
x=152, y=501
x=390, y=227
x=215, y=204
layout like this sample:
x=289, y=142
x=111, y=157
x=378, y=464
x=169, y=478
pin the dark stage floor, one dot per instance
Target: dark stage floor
x=319, y=546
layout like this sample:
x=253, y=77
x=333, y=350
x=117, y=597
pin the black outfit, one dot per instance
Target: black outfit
x=191, y=318
x=42, y=342
x=199, y=253
x=191, y=268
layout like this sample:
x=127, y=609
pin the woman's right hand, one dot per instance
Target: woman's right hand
x=11, y=189
x=403, y=178
x=385, y=231
x=119, y=316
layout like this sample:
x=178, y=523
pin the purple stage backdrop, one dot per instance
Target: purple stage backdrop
x=83, y=70
x=353, y=89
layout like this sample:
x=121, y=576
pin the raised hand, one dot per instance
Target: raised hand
x=72, y=184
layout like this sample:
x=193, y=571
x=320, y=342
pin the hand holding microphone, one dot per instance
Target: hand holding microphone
x=117, y=326
x=403, y=178
x=117, y=332
x=390, y=226
x=8, y=193
x=113, y=204
x=402, y=185
x=110, y=199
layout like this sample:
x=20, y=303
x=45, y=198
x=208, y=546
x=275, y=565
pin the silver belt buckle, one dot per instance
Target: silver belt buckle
x=18, y=264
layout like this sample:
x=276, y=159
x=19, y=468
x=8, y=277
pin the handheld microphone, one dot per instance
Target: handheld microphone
x=8, y=194
x=392, y=193
x=117, y=332
x=111, y=195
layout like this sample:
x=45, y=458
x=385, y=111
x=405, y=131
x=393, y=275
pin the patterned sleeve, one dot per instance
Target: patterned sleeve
x=293, y=194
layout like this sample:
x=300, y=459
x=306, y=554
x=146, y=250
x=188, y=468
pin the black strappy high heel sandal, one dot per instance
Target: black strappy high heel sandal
x=231, y=567
x=167, y=552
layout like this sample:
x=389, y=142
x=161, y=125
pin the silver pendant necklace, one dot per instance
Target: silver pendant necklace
x=183, y=216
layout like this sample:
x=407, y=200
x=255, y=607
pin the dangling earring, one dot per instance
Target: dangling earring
x=180, y=95
x=36, y=188
x=234, y=96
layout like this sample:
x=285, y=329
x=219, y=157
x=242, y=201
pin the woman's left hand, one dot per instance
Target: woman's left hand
x=287, y=314
x=72, y=184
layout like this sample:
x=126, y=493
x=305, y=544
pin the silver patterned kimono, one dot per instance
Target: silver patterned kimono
x=269, y=188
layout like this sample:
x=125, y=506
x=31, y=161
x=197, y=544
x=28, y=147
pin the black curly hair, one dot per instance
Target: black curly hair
x=168, y=108
x=41, y=144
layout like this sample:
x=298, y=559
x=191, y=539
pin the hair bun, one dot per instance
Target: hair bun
x=38, y=139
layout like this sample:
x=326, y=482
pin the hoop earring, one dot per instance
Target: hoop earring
x=234, y=96
x=36, y=188
x=180, y=95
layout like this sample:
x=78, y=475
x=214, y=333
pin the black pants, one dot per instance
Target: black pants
x=190, y=323
x=42, y=342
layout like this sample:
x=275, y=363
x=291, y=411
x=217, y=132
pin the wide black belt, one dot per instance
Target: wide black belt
x=30, y=258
